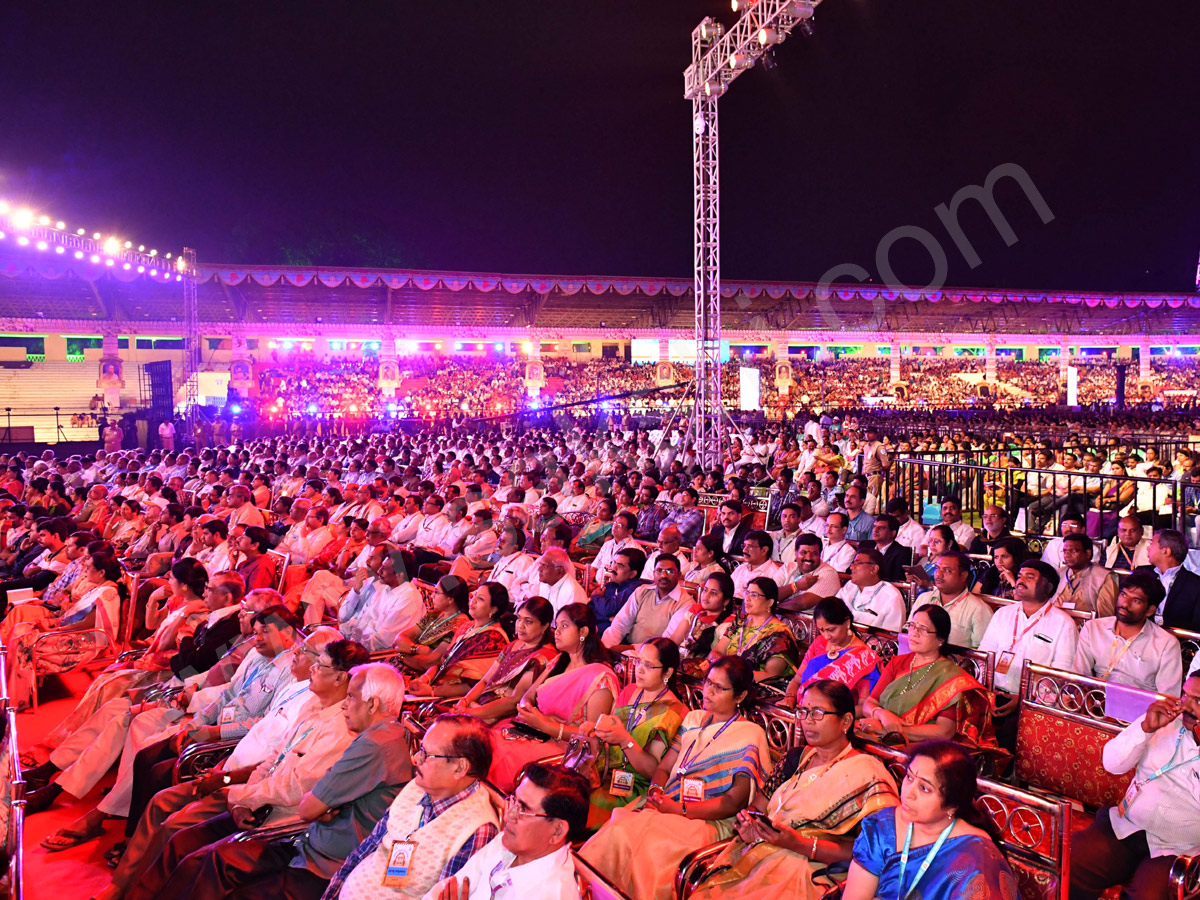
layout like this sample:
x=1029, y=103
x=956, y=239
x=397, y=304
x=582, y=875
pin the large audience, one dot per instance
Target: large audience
x=465, y=662
x=344, y=397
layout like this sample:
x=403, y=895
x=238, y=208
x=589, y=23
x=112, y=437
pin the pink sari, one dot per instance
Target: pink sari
x=565, y=697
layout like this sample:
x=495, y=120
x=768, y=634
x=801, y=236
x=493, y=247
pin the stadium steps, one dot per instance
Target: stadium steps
x=40, y=388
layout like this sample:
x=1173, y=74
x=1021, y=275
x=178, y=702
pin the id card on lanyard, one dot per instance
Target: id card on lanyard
x=399, y=863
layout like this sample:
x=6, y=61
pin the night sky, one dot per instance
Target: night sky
x=553, y=137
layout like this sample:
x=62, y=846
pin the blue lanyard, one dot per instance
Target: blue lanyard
x=1168, y=765
x=635, y=716
x=694, y=753
x=901, y=893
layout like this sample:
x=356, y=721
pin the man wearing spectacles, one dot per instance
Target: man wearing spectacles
x=872, y=600
x=437, y=822
x=648, y=611
x=531, y=859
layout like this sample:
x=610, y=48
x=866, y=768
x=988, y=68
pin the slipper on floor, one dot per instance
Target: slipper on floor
x=28, y=761
x=113, y=855
x=64, y=839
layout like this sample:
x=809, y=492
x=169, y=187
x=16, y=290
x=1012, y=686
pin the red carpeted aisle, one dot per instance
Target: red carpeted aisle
x=78, y=873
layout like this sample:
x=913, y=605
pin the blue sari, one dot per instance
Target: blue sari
x=966, y=866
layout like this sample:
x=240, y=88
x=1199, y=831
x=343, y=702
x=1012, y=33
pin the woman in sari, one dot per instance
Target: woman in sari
x=939, y=539
x=425, y=643
x=694, y=627
x=761, y=637
x=495, y=696
x=950, y=842
x=836, y=653
x=593, y=535
x=788, y=457
x=922, y=695
x=476, y=646
x=562, y=704
x=95, y=615
x=714, y=766
x=1001, y=577
x=815, y=801
x=638, y=732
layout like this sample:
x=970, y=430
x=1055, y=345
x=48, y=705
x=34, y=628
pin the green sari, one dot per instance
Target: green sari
x=594, y=534
x=656, y=720
x=919, y=696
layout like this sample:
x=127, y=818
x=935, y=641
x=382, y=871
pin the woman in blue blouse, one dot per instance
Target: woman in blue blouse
x=937, y=844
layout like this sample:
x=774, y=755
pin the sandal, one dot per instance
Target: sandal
x=113, y=855
x=64, y=839
x=28, y=761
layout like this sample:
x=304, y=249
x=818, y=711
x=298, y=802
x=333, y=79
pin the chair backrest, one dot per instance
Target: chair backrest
x=1035, y=830
x=1189, y=644
x=281, y=566
x=1080, y=616
x=1061, y=732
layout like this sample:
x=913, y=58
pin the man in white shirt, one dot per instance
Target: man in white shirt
x=757, y=563
x=838, y=552
x=378, y=609
x=1070, y=523
x=405, y=529
x=812, y=579
x=557, y=581
x=1129, y=648
x=515, y=570
x=434, y=527
x=872, y=601
x=1136, y=842
x=577, y=501
x=911, y=534
x=952, y=516
x=623, y=526
x=531, y=858
x=669, y=541
x=784, y=540
x=969, y=615
x=1032, y=629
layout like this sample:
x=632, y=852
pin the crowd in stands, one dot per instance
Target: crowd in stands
x=338, y=396
x=592, y=647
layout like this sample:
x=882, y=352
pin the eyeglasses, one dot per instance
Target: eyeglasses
x=320, y=665
x=642, y=664
x=918, y=630
x=817, y=714
x=519, y=810
x=421, y=753
x=709, y=683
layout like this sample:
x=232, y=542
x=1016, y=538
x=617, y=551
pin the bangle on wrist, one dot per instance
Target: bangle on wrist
x=560, y=731
x=812, y=854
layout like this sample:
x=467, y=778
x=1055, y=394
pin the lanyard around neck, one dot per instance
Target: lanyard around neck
x=905, y=894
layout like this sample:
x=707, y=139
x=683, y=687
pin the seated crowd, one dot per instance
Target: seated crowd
x=450, y=665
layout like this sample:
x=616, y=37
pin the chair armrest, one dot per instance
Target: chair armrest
x=696, y=867
x=65, y=641
x=199, y=759
x=284, y=828
x=1184, y=877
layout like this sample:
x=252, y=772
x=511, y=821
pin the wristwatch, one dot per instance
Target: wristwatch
x=226, y=780
x=629, y=745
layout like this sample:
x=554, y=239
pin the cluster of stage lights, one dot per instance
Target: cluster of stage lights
x=766, y=37
x=25, y=226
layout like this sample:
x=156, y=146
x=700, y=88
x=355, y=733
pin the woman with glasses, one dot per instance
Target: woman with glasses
x=761, y=637
x=477, y=643
x=938, y=540
x=639, y=731
x=425, y=643
x=712, y=769
x=495, y=696
x=836, y=653
x=938, y=843
x=563, y=703
x=922, y=695
x=814, y=803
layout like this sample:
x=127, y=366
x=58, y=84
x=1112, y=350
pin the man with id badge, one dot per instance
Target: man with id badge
x=1031, y=629
x=531, y=859
x=437, y=822
x=1136, y=842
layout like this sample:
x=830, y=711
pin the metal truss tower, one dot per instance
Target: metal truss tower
x=718, y=57
x=191, y=337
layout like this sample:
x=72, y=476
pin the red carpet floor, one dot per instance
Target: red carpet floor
x=79, y=873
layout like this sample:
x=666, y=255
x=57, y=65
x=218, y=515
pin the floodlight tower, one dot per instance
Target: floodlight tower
x=191, y=336
x=718, y=57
